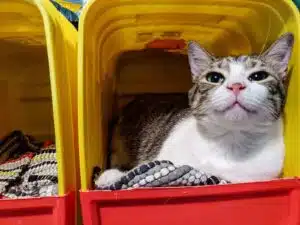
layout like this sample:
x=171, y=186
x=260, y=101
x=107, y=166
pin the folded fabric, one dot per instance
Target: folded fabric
x=162, y=174
x=40, y=178
x=16, y=144
x=12, y=170
x=30, y=167
x=73, y=17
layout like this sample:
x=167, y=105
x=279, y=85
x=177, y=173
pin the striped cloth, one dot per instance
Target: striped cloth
x=33, y=170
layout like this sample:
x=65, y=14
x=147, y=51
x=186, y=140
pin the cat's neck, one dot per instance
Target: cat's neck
x=243, y=141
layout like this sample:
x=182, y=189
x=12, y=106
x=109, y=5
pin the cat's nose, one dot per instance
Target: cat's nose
x=236, y=88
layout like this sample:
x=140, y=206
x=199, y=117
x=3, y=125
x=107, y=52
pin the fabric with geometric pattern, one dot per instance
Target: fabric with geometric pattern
x=161, y=174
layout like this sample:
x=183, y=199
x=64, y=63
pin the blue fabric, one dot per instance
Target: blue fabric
x=297, y=3
x=75, y=1
x=70, y=15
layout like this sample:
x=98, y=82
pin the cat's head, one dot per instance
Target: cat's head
x=243, y=89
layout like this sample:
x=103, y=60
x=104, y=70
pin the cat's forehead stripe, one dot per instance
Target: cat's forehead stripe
x=242, y=58
x=223, y=63
x=249, y=62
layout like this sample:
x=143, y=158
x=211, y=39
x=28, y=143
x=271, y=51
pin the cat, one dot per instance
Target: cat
x=229, y=124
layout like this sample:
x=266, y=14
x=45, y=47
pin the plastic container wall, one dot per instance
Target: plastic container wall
x=38, y=85
x=61, y=39
x=110, y=28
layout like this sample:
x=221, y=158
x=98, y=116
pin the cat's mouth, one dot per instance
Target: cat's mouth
x=238, y=104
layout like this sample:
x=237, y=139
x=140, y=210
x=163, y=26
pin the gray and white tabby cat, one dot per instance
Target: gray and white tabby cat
x=229, y=125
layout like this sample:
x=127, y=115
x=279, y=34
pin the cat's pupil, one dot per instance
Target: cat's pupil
x=258, y=76
x=214, y=77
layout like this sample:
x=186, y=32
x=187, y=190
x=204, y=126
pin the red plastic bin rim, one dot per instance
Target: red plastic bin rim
x=59, y=210
x=34, y=202
x=215, y=190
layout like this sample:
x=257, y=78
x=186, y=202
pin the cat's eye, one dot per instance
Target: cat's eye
x=215, y=77
x=258, y=76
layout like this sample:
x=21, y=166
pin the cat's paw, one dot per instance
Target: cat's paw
x=109, y=177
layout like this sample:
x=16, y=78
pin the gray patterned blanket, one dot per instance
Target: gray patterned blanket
x=161, y=174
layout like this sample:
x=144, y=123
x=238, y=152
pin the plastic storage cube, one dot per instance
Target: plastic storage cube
x=116, y=63
x=38, y=94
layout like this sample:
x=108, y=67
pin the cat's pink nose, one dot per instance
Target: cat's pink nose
x=236, y=88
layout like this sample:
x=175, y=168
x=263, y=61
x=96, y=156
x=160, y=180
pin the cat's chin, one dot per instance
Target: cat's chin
x=237, y=105
x=235, y=113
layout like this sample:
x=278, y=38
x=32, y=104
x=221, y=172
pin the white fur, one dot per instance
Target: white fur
x=218, y=156
x=108, y=177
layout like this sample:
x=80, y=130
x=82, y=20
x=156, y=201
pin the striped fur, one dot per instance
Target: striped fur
x=143, y=126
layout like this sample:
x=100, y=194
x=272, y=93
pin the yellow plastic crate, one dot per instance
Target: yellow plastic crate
x=110, y=28
x=38, y=78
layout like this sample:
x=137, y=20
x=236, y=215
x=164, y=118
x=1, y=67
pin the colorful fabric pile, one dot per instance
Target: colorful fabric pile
x=28, y=168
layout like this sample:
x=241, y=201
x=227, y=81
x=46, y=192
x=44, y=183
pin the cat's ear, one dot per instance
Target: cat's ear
x=280, y=52
x=199, y=59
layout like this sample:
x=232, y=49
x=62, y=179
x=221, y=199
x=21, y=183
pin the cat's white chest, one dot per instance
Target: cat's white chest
x=186, y=146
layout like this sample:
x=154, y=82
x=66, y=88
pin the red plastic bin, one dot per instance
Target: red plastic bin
x=263, y=203
x=38, y=211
